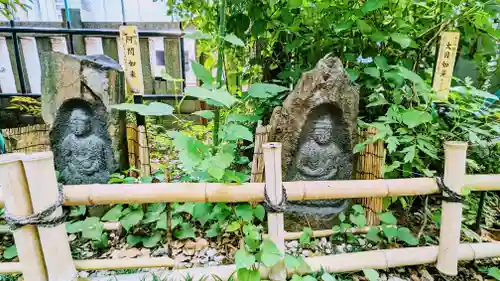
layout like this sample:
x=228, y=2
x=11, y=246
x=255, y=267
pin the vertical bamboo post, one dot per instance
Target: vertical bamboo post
x=43, y=187
x=144, y=152
x=17, y=202
x=275, y=221
x=451, y=216
x=261, y=136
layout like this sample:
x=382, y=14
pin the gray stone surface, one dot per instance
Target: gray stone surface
x=317, y=128
x=77, y=92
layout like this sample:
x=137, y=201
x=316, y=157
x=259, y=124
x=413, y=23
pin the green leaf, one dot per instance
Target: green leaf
x=342, y=217
x=371, y=274
x=245, y=212
x=201, y=73
x=308, y=278
x=201, y=212
x=270, y=254
x=231, y=38
x=235, y=132
x=78, y=211
x=410, y=153
x=259, y=212
x=403, y=40
x=412, y=118
x=245, y=274
x=381, y=63
x=358, y=208
x=186, y=231
x=372, y=234
x=133, y=240
x=358, y=220
x=394, y=77
x=92, y=228
x=359, y=147
x=405, y=235
x=372, y=71
x=187, y=207
x=151, y=241
x=132, y=219
x=293, y=4
x=364, y=27
x=74, y=227
x=101, y=242
x=234, y=226
x=388, y=218
x=264, y=91
x=494, y=272
x=244, y=259
x=221, y=96
x=328, y=277
x=197, y=35
x=10, y=252
x=390, y=231
x=151, y=109
x=214, y=230
x=343, y=26
x=207, y=114
x=410, y=75
x=114, y=214
x=242, y=118
x=305, y=238
x=372, y=5
x=162, y=222
x=353, y=74
x=292, y=263
x=392, y=144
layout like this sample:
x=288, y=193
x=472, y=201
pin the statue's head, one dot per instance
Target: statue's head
x=80, y=122
x=322, y=129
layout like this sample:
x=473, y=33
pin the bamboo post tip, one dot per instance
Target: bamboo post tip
x=11, y=157
x=455, y=145
x=271, y=145
x=38, y=156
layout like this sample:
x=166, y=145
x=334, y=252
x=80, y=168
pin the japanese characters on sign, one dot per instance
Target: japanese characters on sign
x=129, y=41
x=445, y=63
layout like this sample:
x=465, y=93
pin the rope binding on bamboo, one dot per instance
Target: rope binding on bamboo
x=43, y=218
x=275, y=208
x=447, y=194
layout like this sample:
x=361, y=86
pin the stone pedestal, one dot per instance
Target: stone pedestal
x=77, y=92
x=317, y=128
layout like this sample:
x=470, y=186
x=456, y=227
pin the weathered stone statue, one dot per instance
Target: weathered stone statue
x=86, y=157
x=317, y=127
x=87, y=137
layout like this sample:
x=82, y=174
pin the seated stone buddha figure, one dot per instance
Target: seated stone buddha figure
x=84, y=154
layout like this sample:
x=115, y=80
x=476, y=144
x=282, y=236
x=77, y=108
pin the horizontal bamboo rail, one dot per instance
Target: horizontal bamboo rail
x=96, y=194
x=10, y=267
x=98, y=264
x=380, y=259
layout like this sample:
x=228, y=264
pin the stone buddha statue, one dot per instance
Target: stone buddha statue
x=320, y=156
x=85, y=157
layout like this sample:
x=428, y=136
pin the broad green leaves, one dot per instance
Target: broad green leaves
x=405, y=235
x=114, y=214
x=221, y=96
x=244, y=259
x=235, y=132
x=231, y=38
x=494, y=272
x=263, y=90
x=270, y=254
x=10, y=252
x=132, y=219
x=151, y=109
x=371, y=274
x=412, y=118
x=197, y=35
x=248, y=275
x=388, y=218
x=201, y=73
x=207, y=114
x=403, y=40
x=372, y=5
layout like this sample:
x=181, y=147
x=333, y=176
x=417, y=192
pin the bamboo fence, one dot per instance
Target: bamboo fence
x=27, y=139
x=22, y=194
x=369, y=166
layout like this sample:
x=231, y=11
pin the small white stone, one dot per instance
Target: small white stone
x=211, y=252
x=83, y=274
x=293, y=244
x=306, y=253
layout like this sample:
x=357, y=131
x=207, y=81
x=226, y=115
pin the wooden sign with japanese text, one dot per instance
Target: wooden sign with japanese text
x=445, y=64
x=129, y=41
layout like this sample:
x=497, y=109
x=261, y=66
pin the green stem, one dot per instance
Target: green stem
x=220, y=63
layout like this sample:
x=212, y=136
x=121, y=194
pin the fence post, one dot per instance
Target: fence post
x=43, y=187
x=17, y=202
x=273, y=187
x=451, y=214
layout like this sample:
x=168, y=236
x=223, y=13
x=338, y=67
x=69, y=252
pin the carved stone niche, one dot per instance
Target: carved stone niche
x=317, y=128
x=77, y=92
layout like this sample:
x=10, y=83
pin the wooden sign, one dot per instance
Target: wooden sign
x=129, y=41
x=445, y=63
